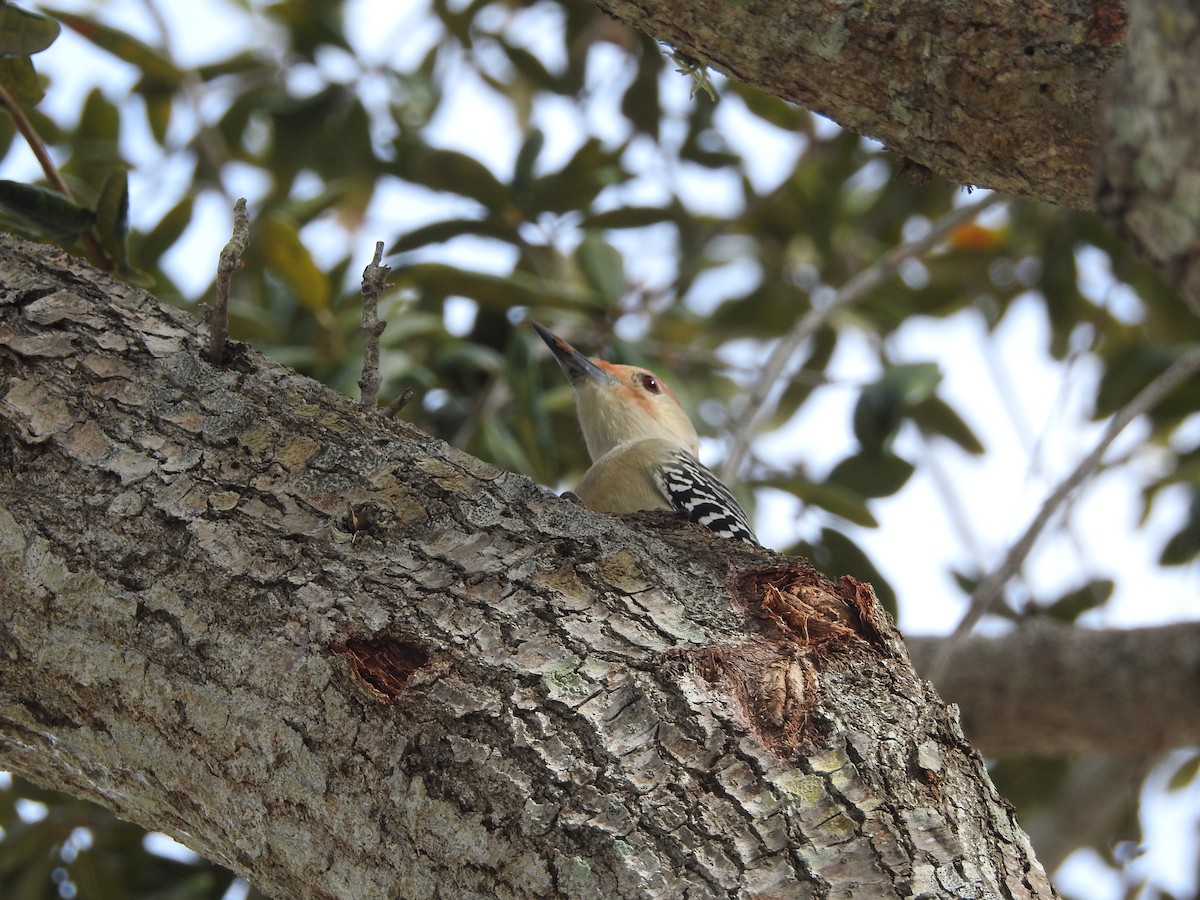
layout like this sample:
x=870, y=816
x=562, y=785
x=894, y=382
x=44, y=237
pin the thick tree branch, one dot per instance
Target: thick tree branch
x=476, y=689
x=1149, y=188
x=1001, y=94
x=1053, y=690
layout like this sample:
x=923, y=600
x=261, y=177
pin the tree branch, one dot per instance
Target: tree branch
x=1003, y=94
x=482, y=690
x=1045, y=689
x=374, y=280
x=228, y=263
x=1149, y=168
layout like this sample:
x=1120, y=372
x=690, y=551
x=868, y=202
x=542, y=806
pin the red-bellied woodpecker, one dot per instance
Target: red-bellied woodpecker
x=644, y=449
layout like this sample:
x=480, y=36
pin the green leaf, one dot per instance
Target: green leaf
x=24, y=33
x=19, y=78
x=531, y=149
x=156, y=69
x=1184, y=545
x=440, y=232
x=531, y=68
x=629, y=217
x=934, y=416
x=436, y=281
x=95, y=147
x=877, y=416
x=872, y=474
x=112, y=215
x=882, y=406
x=48, y=211
x=1185, y=774
x=1071, y=605
x=576, y=184
x=834, y=498
x=603, y=267
x=148, y=248
x=449, y=170
x=288, y=257
x=159, y=105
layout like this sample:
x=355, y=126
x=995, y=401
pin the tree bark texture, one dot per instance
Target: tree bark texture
x=1149, y=189
x=1053, y=690
x=349, y=661
x=1002, y=94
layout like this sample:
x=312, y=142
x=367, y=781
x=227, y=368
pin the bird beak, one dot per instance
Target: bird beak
x=578, y=368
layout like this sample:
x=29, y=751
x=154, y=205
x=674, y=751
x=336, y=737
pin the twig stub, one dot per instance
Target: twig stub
x=228, y=263
x=374, y=281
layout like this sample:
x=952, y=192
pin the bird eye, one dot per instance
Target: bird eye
x=650, y=384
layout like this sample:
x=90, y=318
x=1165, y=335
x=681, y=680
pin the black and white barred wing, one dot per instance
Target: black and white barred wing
x=693, y=489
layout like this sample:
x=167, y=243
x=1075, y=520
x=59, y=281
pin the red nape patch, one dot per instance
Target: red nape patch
x=383, y=664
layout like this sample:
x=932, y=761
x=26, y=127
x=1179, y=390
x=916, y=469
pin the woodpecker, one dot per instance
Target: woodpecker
x=644, y=449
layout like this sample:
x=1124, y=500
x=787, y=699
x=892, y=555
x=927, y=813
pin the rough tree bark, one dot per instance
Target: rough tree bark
x=1001, y=94
x=1149, y=185
x=349, y=661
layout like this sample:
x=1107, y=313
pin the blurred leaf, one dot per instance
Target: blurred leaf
x=530, y=67
x=640, y=103
x=935, y=417
x=288, y=257
x=629, y=217
x=1130, y=367
x=449, y=170
x=310, y=24
x=440, y=232
x=156, y=69
x=576, y=184
x=148, y=248
x=24, y=33
x=503, y=446
x=95, y=146
x=436, y=282
x=837, y=499
x=527, y=156
x=1071, y=605
x=48, y=211
x=603, y=267
x=1031, y=784
x=159, y=104
x=1184, y=545
x=779, y=113
x=1186, y=774
x=18, y=77
x=872, y=474
x=882, y=406
x=112, y=215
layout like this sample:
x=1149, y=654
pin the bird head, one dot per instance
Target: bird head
x=620, y=404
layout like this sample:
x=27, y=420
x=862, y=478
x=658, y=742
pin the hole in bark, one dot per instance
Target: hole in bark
x=383, y=664
x=1043, y=88
x=1029, y=51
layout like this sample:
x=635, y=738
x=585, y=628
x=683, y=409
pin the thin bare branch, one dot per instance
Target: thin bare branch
x=25, y=128
x=772, y=376
x=230, y=261
x=990, y=589
x=374, y=280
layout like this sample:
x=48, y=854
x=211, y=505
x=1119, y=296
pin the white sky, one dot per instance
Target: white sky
x=916, y=540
